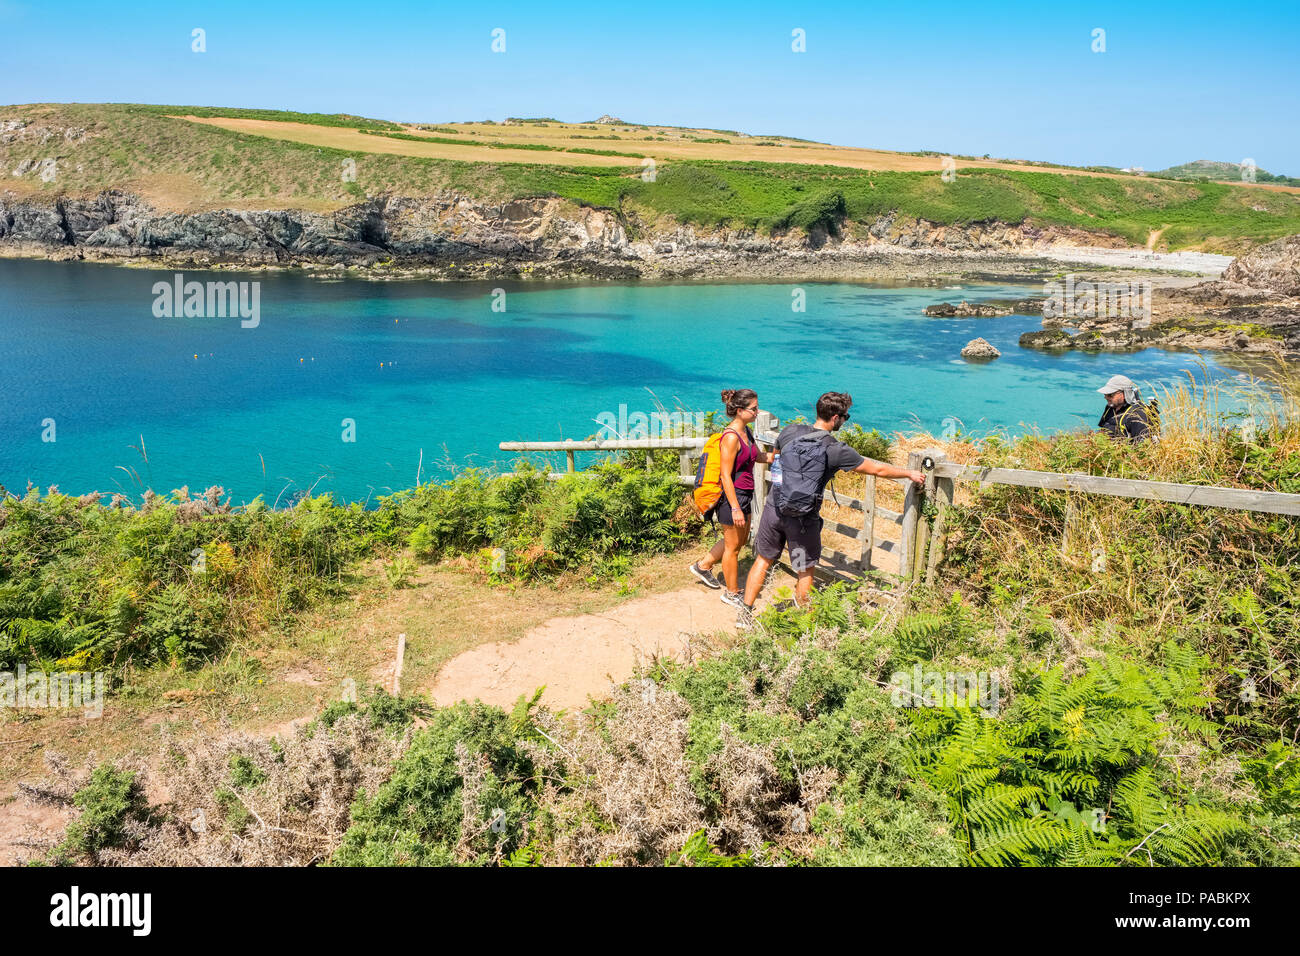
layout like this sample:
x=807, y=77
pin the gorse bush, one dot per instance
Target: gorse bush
x=868, y=444
x=113, y=810
x=775, y=751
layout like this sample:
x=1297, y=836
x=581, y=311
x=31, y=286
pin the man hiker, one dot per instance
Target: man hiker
x=808, y=456
x=1125, y=415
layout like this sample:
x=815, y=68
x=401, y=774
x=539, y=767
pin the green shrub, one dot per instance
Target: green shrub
x=869, y=444
x=416, y=818
x=109, y=802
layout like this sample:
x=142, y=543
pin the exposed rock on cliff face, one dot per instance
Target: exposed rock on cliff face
x=1274, y=267
x=451, y=235
x=117, y=224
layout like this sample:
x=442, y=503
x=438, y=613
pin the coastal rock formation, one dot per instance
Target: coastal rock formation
x=965, y=310
x=1254, y=307
x=444, y=230
x=980, y=350
x=1274, y=267
x=1110, y=339
x=1048, y=340
x=452, y=235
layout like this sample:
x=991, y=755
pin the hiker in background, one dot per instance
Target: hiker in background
x=1125, y=415
x=724, y=489
x=809, y=457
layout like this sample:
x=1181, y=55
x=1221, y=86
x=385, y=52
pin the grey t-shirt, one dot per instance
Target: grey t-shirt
x=839, y=456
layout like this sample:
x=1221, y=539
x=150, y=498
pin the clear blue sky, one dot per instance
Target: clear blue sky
x=1178, y=81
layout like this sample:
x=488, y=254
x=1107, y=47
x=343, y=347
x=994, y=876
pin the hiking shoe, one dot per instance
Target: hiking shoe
x=744, y=617
x=706, y=577
x=734, y=598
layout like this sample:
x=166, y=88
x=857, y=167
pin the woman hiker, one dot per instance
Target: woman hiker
x=739, y=452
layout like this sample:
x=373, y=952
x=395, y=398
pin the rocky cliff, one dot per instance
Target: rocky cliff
x=453, y=235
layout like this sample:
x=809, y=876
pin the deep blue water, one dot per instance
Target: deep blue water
x=429, y=366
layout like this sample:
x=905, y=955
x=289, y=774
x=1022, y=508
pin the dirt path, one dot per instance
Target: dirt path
x=582, y=656
x=465, y=640
x=26, y=825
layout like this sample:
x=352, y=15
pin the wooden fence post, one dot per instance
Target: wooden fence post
x=572, y=463
x=765, y=422
x=911, y=510
x=923, y=524
x=946, y=489
x=868, y=533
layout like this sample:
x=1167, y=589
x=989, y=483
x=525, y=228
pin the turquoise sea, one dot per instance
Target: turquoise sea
x=433, y=378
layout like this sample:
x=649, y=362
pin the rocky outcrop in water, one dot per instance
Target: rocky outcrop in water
x=965, y=310
x=980, y=350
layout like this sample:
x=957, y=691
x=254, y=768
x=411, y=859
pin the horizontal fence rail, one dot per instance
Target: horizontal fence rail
x=1244, y=499
x=613, y=444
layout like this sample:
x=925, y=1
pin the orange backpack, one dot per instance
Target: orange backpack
x=708, y=476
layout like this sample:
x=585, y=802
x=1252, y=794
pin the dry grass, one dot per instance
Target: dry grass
x=628, y=797
x=292, y=813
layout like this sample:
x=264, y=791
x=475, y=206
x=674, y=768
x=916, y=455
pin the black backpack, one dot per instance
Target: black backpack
x=804, y=464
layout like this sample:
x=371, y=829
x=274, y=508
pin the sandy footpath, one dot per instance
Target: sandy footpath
x=583, y=656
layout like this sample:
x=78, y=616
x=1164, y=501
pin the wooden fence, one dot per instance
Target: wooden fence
x=922, y=531
x=942, y=475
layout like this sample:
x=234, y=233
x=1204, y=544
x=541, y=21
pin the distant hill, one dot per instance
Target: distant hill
x=1215, y=171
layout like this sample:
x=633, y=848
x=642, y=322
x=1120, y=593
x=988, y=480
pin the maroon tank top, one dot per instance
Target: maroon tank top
x=742, y=472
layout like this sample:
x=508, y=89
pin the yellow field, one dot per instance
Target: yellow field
x=659, y=143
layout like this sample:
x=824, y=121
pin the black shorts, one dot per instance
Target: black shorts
x=802, y=535
x=722, y=511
